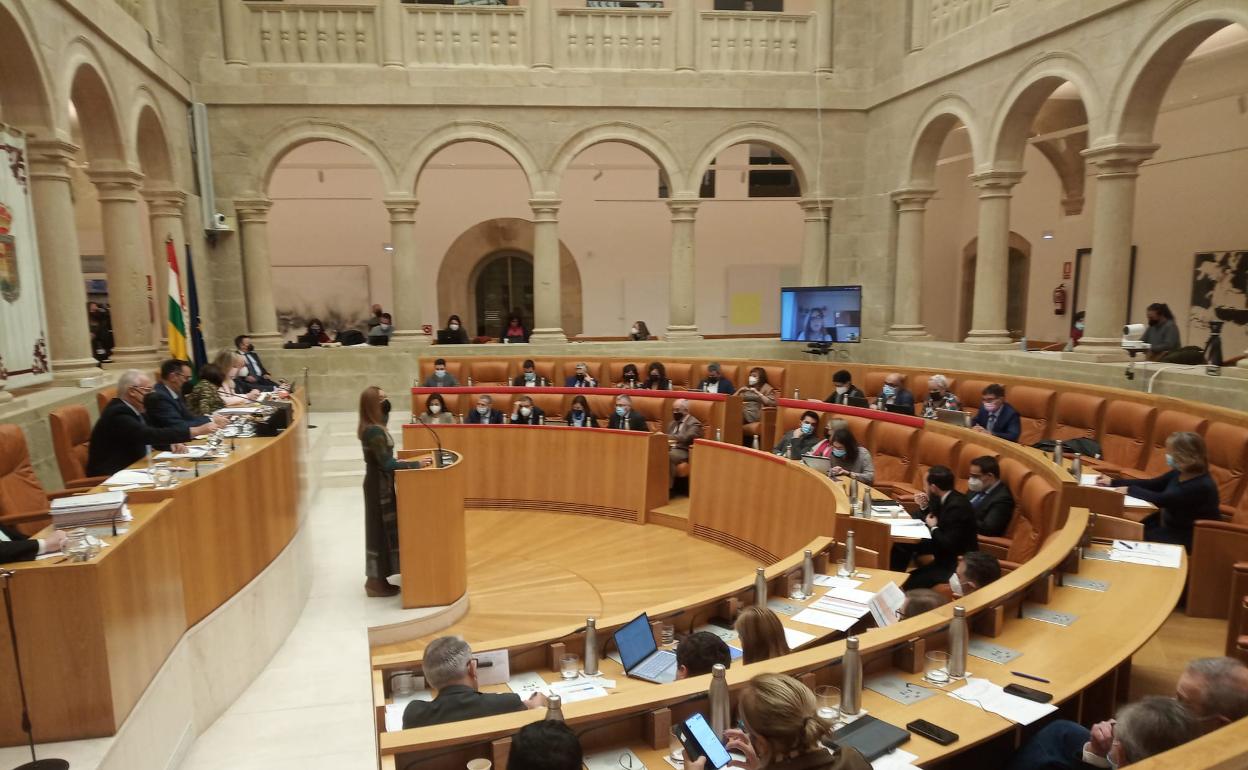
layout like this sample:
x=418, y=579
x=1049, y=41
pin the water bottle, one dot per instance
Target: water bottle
x=851, y=682
x=543, y=382
x=1076, y=467
x=957, y=643
x=1022, y=344
x=808, y=574
x=848, y=568
x=554, y=708
x=1057, y=451
x=719, y=434
x=757, y=444
x=591, y=647
x=721, y=705
x=853, y=488
x=797, y=394
x=760, y=587
x=867, y=510
x=541, y=419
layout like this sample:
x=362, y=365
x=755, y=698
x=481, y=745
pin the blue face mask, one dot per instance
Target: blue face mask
x=839, y=452
x=1170, y=461
x=530, y=377
x=807, y=428
x=619, y=410
x=439, y=372
x=889, y=390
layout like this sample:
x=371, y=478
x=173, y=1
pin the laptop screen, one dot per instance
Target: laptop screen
x=635, y=641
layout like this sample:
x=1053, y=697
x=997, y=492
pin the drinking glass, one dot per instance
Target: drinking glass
x=676, y=749
x=795, y=587
x=667, y=634
x=829, y=700
x=479, y=764
x=569, y=666
x=936, y=668
x=162, y=476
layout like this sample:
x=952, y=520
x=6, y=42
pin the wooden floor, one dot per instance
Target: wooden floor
x=1156, y=667
x=529, y=571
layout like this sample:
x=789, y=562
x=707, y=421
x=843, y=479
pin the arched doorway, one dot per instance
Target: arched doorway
x=1016, y=299
x=503, y=284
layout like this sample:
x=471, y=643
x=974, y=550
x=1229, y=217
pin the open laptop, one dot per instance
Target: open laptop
x=640, y=656
x=858, y=401
x=821, y=464
x=447, y=337
x=899, y=409
x=954, y=417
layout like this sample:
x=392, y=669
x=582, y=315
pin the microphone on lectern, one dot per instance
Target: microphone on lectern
x=437, y=458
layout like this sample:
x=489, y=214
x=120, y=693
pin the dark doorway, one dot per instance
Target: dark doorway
x=504, y=284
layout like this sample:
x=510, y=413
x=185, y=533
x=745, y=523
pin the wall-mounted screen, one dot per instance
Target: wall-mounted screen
x=821, y=313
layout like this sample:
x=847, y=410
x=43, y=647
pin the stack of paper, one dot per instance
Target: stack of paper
x=896, y=760
x=886, y=603
x=89, y=510
x=908, y=527
x=835, y=581
x=992, y=697
x=191, y=453
x=1151, y=554
x=129, y=478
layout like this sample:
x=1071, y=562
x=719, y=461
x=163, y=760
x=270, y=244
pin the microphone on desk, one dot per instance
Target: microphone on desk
x=437, y=458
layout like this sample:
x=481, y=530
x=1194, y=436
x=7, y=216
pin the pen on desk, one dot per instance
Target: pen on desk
x=1032, y=678
x=1126, y=545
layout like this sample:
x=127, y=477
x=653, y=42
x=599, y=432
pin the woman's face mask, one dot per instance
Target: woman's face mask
x=577, y=411
x=842, y=390
x=753, y=379
x=839, y=452
x=454, y=326
x=435, y=408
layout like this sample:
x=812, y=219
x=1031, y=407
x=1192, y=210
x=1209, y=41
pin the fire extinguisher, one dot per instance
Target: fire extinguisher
x=1059, y=300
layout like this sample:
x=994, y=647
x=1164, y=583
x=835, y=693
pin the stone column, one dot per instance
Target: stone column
x=547, y=286
x=992, y=263
x=1117, y=167
x=682, y=322
x=392, y=14
x=405, y=274
x=908, y=287
x=60, y=260
x=253, y=230
x=686, y=21
x=824, y=15
x=234, y=31
x=127, y=263
x=164, y=209
x=541, y=20
x=814, y=271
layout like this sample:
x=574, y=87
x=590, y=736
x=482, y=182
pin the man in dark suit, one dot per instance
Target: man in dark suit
x=254, y=376
x=122, y=435
x=525, y=413
x=895, y=395
x=14, y=546
x=624, y=418
x=484, y=412
x=951, y=522
x=715, y=381
x=995, y=416
x=451, y=670
x=581, y=379
x=990, y=497
x=801, y=439
x=165, y=406
x=843, y=388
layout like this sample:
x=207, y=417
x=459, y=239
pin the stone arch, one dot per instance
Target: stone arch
x=93, y=98
x=151, y=142
x=472, y=131
x=1016, y=114
x=755, y=133
x=1137, y=96
x=469, y=251
x=937, y=121
x=24, y=93
x=306, y=130
x=625, y=133
x=1019, y=256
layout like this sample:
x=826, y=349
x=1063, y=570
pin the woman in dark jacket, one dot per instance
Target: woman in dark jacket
x=657, y=379
x=315, y=335
x=455, y=331
x=579, y=415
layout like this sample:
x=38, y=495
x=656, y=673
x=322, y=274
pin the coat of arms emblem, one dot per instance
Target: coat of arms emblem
x=10, y=280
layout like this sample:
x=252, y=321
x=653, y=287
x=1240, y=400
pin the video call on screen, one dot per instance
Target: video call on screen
x=821, y=314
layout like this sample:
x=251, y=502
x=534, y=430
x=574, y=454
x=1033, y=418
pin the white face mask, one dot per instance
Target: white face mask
x=753, y=379
x=634, y=330
x=435, y=408
x=454, y=327
x=439, y=372
x=483, y=410
x=526, y=411
x=955, y=585
x=975, y=485
x=842, y=390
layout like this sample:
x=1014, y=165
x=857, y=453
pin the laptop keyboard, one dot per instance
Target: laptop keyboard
x=653, y=667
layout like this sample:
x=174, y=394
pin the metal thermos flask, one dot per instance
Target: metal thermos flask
x=1057, y=451
x=1076, y=467
x=808, y=574
x=721, y=705
x=849, y=568
x=554, y=708
x=957, y=643
x=851, y=682
x=591, y=647
x=760, y=588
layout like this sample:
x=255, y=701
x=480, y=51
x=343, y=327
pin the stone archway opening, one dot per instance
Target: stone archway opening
x=1018, y=281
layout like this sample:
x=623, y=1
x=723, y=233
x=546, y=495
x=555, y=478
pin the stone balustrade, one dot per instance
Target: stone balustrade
x=615, y=38
x=312, y=34
x=934, y=20
x=755, y=42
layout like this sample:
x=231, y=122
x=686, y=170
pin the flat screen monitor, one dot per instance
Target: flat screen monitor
x=821, y=313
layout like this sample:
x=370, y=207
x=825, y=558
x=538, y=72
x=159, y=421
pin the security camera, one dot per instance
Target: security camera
x=218, y=221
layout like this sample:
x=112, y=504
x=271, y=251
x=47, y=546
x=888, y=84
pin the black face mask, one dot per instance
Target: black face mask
x=654, y=375
x=1154, y=321
x=678, y=416
x=385, y=408
x=251, y=348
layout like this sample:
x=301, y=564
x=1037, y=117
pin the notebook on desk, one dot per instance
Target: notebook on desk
x=640, y=656
x=821, y=464
x=872, y=737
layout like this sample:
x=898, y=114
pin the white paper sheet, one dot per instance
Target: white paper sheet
x=795, y=638
x=394, y=711
x=526, y=684
x=895, y=760
x=909, y=528
x=835, y=581
x=825, y=619
x=493, y=667
x=574, y=690
x=841, y=607
x=856, y=595
x=1150, y=554
x=992, y=697
x=1135, y=502
x=885, y=604
x=614, y=760
x=191, y=453
x=137, y=476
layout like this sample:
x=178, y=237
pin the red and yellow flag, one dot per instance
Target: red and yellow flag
x=177, y=313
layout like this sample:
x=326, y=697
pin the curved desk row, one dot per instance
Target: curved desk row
x=93, y=635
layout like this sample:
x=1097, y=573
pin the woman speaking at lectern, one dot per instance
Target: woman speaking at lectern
x=381, y=523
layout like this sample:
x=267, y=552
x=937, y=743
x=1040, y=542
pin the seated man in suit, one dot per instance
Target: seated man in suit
x=123, y=435
x=525, y=413
x=484, y=412
x=801, y=439
x=681, y=432
x=624, y=418
x=995, y=416
x=895, y=395
x=698, y=653
x=844, y=389
x=581, y=379
x=451, y=671
x=951, y=522
x=990, y=497
x=165, y=406
x=254, y=376
x=715, y=381
x=440, y=378
x=526, y=379
x=14, y=546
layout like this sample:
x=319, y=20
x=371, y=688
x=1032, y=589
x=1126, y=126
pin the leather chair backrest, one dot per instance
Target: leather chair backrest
x=1169, y=421
x=548, y=370
x=1228, y=457
x=934, y=449
x=552, y=404
x=680, y=373
x=104, y=395
x=1035, y=411
x=1036, y=505
x=454, y=368
x=1025, y=538
x=615, y=371
x=1015, y=476
x=657, y=411
x=1078, y=415
x=963, y=467
x=707, y=413
x=1125, y=435
x=71, y=438
x=874, y=383
x=969, y=392
x=601, y=406
x=775, y=378
x=20, y=490
x=894, y=452
x=863, y=428
x=488, y=371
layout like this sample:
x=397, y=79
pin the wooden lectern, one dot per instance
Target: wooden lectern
x=431, y=531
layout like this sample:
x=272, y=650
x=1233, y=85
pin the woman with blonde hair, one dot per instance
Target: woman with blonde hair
x=762, y=634
x=1183, y=495
x=231, y=364
x=782, y=730
x=381, y=522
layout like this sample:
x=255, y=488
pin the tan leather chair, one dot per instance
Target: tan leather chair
x=1168, y=421
x=933, y=449
x=707, y=414
x=23, y=501
x=657, y=411
x=1035, y=411
x=969, y=392
x=1124, y=438
x=105, y=395
x=454, y=368
x=1216, y=547
x=1237, y=627
x=1015, y=476
x=71, y=438
x=553, y=404
x=615, y=372
x=962, y=469
x=893, y=450
x=1027, y=531
x=681, y=374
x=1228, y=456
x=488, y=372
x=547, y=370
x=775, y=378
x=1078, y=415
x=863, y=428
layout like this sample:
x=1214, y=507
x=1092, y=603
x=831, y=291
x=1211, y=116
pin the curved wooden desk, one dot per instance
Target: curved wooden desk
x=93, y=635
